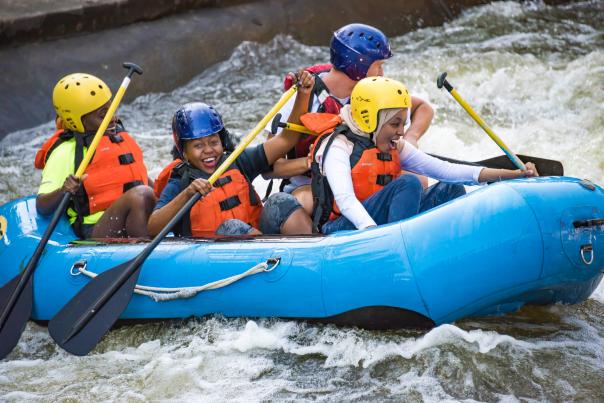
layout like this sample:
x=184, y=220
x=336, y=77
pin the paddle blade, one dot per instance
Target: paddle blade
x=64, y=323
x=544, y=166
x=17, y=317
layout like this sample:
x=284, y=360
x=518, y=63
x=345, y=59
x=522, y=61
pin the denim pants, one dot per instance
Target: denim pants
x=402, y=198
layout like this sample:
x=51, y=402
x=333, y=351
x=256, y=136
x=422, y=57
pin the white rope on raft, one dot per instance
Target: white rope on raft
x=159, y=294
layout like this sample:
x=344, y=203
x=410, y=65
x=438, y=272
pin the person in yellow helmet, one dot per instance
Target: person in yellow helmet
x=112, y=198
x=356, y=169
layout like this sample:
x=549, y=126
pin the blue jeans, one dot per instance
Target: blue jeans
x=402, y=198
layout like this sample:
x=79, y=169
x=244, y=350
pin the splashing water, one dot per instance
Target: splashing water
x=533, y=72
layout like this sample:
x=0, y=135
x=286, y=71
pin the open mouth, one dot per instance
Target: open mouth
x=209, y=162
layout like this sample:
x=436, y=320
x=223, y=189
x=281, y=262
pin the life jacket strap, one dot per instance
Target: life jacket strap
x=130, y=185
x=126, y=159
x=223, y=181
x=230, y=203
x=383, y=180
x=384, y=156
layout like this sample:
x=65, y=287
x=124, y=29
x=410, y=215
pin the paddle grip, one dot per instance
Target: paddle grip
x=276, y=123
x=133, y=68
x=441, y=81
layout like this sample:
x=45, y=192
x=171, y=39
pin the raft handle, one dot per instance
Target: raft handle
x=589, y=223
x=589, y=249
x=272, y=263
x=77, y=267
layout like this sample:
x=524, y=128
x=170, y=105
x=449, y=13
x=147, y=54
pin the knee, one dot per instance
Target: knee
x=408, y=183
x=277, y=209
x=234, y=227
x=453, y=190
x=141, y=196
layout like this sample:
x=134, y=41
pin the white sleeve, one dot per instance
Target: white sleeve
x=414, y=160
x=285, y=111
x=338, y=172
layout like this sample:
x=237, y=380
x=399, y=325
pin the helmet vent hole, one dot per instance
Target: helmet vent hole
x=350, y=33
x=92, y=93
x=77, y=83
x=362, y=34
x=378, y=45
x=400, y=92
x=370, y=37
x=374, y=79
x=100, y=86
x=67, y=86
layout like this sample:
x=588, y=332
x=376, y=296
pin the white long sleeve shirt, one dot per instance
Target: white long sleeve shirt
x=337, y=169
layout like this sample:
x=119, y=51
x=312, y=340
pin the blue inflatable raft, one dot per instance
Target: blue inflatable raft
x=533, y=241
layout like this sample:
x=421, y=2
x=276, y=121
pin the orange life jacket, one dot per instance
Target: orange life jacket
x=116, y=167
x=371, y=170
x=233, y=197
x=162, y=179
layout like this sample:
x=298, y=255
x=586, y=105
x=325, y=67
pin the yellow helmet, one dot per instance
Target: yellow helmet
x=77, y=94
x=371, y=95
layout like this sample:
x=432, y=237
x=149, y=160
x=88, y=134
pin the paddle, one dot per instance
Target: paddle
x=544, y=166
x=85, y=319
x=442, y=82
x=16, y=296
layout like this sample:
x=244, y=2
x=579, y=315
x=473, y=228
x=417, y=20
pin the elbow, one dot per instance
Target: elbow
x=42, y=207
x=153, y=225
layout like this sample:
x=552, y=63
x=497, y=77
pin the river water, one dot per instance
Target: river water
x=535, y=73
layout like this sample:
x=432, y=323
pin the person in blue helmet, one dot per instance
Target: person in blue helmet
x=231, y=206
x=357, y=51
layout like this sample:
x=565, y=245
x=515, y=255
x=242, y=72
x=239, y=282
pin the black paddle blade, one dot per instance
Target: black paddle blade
x=544, y=166
x=63, y=326
x=17, y=317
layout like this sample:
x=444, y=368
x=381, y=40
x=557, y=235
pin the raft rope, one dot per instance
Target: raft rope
x=160, y=294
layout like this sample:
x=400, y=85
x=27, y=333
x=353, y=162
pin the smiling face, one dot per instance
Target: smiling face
x=204, y=153
x=91, y=121
x=391, y=132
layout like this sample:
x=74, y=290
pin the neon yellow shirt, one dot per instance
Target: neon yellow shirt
x=58, y=167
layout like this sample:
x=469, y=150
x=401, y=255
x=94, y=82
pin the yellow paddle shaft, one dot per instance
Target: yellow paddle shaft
x=252, y=135
x=299, y=128
x=101, y=130
x=488, y=130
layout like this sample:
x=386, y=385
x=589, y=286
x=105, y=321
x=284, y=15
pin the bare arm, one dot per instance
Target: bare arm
x=494, y=175
x=421, y=117
x=47, y=203
x=279, y=145
x=286, y=168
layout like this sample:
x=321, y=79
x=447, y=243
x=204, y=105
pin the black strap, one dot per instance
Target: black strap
x=126, y=159
x=116, y=138
x=322, y=194
x=384, y=156
x=383, y=180
x=130, y=185
x=230, y=203
x=223, y=181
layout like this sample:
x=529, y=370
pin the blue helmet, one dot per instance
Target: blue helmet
x=355, y=47
x=195, y=120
